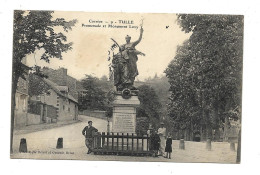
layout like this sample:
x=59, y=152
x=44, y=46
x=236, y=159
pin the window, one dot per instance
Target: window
x=63, y=108
x=69, y=109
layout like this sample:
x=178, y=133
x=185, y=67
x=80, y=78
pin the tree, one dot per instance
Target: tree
x=34, y=30
x=161, y=87
x=36, y=86
x=98, y=94
x=206, y=73
x=94, y=96
x=150, y=106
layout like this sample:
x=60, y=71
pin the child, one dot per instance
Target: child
x=168, y=148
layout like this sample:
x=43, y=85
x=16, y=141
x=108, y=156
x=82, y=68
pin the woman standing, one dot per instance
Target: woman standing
x=168, y=148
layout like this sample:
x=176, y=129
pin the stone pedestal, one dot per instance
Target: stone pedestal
x=124, y=114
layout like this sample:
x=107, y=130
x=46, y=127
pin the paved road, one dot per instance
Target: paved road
x=46, y=140
x=42, y=145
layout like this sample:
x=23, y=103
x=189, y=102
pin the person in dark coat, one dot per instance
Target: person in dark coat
x=168, y=148
x=155, y=143
x=89, y=132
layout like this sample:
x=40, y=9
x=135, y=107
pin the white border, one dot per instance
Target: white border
x=250, y=123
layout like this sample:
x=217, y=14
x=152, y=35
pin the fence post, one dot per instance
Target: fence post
x=182, y=144
x=112, y=141
x=23, y=146
x=127, y=141
x=103, y=139
x=208, y=144
x=59, y=143
x=142, y=142
x=108, y=140
x=98, y=140
x=117, y=141
x=147, y=143
x=232, y=146
x=122, y=141
x=137, y=142
x=132, y=141
x=94, y=143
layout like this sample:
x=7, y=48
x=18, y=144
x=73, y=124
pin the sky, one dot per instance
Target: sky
x=89, y=55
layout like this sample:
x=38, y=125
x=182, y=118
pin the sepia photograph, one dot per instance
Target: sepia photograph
x=147, y=87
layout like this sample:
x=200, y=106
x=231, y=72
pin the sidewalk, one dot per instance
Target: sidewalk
x=43, y=126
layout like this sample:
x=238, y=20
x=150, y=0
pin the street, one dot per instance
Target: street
x=42, y=145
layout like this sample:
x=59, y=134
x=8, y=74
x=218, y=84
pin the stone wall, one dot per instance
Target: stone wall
x=21, y=101
x=96, y=114
x=33, y=119
x=20, y=119
x=67, y=110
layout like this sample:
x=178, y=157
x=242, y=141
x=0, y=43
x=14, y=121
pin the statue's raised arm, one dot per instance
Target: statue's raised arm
x=124, y=63
x=140, y=37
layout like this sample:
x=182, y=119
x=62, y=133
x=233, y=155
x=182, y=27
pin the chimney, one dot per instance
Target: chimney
x=63, y=77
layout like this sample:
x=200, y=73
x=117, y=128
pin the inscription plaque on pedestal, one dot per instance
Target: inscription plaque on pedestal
x=124, y=115
x=124, y=123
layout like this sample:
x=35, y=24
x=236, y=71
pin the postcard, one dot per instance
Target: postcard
x=149, y=87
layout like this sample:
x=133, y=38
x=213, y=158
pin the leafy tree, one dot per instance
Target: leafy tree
x=161, y=87
x=150, y=106
x=34, y=30
x=97, y=95
x=94, y=97
x=206, y=73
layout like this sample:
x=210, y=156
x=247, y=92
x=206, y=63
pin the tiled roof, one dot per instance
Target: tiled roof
x=63, y=88
x=56, y=88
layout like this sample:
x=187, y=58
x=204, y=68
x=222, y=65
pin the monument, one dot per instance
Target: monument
x=125, y=70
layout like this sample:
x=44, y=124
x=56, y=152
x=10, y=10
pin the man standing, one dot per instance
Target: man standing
x=89, y=132
x=162, y=134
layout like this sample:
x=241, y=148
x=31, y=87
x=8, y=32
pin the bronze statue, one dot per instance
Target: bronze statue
x=124, y=63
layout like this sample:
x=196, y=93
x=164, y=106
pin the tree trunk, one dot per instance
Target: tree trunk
x=239, y=148
x=14, y=87
x=225, y=135
x=191, y=130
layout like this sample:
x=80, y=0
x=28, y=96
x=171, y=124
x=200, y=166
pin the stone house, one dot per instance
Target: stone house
x=52, y=103
x=61, y=78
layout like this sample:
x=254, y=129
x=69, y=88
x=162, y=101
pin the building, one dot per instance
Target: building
x=21, y=99
x=21, y=102
x=61, y=78
x=51, y=103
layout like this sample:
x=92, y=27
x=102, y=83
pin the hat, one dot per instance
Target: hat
x=90, y=121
